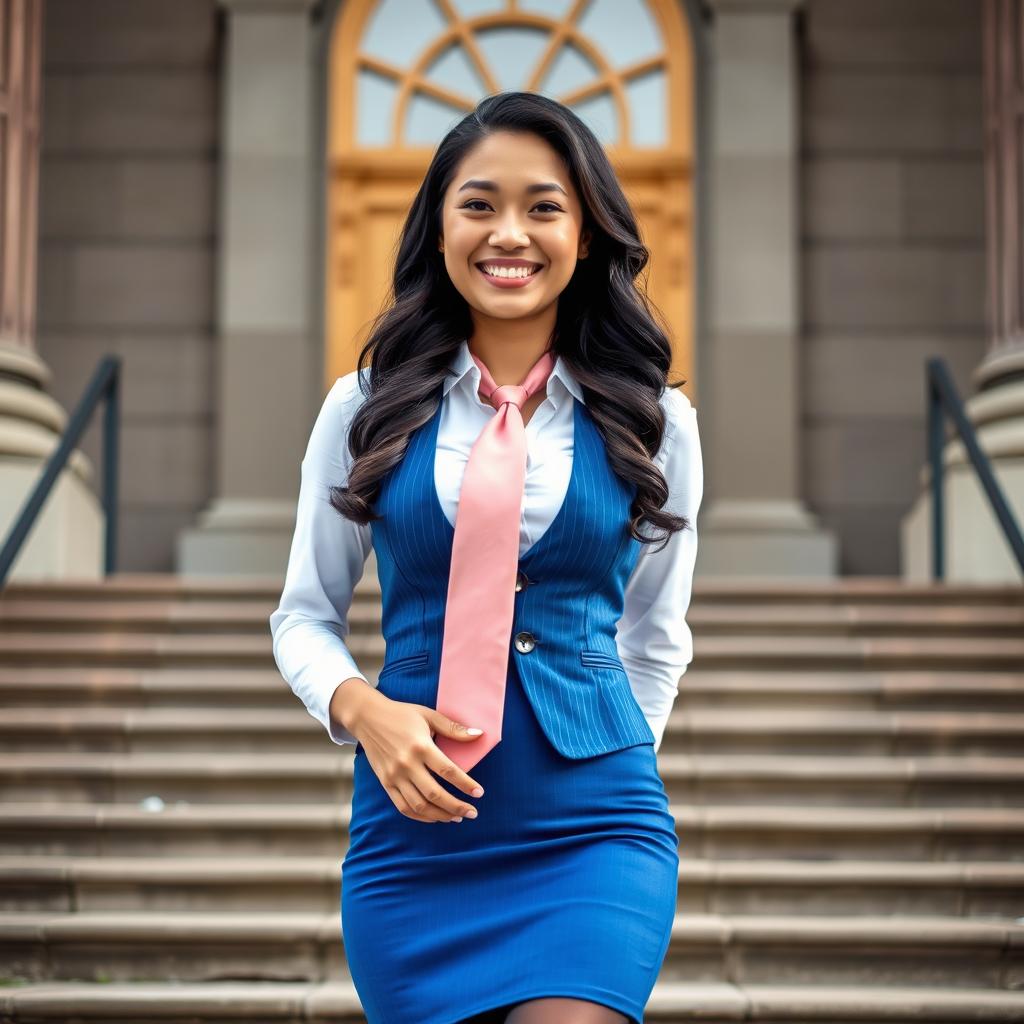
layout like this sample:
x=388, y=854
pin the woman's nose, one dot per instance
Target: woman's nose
x=509, y=230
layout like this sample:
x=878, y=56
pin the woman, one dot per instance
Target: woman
x=515, y=321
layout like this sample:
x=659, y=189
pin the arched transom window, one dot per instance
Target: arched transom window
x=421, y=65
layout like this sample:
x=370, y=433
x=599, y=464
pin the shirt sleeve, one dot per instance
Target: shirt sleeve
x=326, y=561
x=654, y=640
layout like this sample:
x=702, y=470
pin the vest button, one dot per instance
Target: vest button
x=525, y=642
x=522, y=581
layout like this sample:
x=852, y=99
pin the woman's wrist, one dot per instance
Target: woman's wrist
x=348, y=701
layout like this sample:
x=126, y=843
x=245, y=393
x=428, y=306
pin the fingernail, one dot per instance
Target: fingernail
x=475, y=732
x=471, y=813
x=478, y=792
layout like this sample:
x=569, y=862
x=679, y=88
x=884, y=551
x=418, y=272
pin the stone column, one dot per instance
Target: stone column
x=755, y=522
x=976, y=548
x=268, y=368
x=67, y=539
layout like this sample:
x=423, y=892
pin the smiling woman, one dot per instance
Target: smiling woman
x=515, y=295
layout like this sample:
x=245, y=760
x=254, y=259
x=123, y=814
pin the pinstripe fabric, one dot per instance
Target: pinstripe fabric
x=578, y=570
x=566, y=883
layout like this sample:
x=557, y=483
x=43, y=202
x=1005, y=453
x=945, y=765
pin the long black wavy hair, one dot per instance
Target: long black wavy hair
x=605, y=329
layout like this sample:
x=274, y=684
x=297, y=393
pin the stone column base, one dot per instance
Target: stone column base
x=238, y=537
x=763, y=538
x=66, y=541
x=243, y=538
x=976, y=548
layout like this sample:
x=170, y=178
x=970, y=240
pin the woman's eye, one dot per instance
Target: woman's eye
x=468, y=206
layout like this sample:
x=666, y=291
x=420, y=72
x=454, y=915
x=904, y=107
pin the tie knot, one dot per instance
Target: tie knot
x=514, y=393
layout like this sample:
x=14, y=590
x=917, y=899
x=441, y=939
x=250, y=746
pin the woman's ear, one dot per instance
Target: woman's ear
x=440, y=244
x=584, y=248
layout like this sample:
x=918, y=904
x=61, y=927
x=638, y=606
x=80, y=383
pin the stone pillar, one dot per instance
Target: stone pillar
x=756, y=523
x=67, y=538
x=976, y=548
x=268, y=367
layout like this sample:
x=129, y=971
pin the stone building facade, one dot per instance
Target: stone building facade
x=825, y=234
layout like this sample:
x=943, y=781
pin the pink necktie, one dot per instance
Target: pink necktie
x=485, y=562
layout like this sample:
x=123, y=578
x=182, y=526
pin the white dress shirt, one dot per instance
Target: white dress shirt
x=329, y=552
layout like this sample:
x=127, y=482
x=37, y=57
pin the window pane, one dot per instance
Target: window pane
x=454, y=70
x=623, y=29
x=569, y=70
x=554, y=9
x=512, y=53
x=599, y=114
x=398, y=30
x=428, y=120
x=647, y=109
x=475, y=8
x=375, y=108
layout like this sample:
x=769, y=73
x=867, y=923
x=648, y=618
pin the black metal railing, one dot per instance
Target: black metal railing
x=104, y=386
x=942, y=398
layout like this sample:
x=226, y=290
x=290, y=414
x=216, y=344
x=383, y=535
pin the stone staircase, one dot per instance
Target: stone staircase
x=845, y=764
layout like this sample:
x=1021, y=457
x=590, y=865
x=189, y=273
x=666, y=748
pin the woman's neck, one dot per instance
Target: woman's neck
x=509, y=348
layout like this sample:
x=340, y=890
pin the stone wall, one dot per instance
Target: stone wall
x=127, y=232
x=893, y=250
x=891, y=211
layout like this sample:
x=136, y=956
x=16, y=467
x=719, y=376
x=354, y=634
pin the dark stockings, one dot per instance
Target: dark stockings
x=550, y=1010
x=563, y=1010
x=495, y=1016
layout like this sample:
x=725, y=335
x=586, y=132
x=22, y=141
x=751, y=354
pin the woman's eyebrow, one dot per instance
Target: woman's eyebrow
x=490, y=186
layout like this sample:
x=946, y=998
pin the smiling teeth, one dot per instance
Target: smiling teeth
x=509, y=271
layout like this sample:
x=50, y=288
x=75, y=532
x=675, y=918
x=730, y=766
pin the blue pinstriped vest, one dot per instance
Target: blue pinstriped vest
x=569, y=595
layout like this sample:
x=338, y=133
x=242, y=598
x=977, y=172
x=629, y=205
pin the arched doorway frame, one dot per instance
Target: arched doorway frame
x=693, y=16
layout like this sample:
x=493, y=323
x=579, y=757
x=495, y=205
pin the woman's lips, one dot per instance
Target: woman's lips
x=508, y=282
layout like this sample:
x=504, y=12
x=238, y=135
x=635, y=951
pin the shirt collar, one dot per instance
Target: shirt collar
x=463, y=365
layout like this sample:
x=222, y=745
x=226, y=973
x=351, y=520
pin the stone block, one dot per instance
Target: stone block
x=851, y=198
x=130, y=33
x=164, y=111
x=875, y=112
x=879, y=287
x=129, y=198
x=115, y=286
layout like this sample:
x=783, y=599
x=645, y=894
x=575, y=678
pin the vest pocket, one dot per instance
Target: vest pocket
x=602, y=660
x=406, y=661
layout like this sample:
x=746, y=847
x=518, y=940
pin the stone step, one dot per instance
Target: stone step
x=725, y=833
x=859, y=823
x=908, y=619
x=62, y=884
x=308, y=946
x=77, y=686
x=689, y=731
x=821, y=731
x=674, y=1002
x=891, y=690
x=108, y=648
x=834, y=950
x=314, y=777
x=671, y=1002
x=821, y=780
x=846, y=590
x=113, y=686
x=165, y=616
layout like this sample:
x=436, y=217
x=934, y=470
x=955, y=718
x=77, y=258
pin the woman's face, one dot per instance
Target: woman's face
x=511, y=201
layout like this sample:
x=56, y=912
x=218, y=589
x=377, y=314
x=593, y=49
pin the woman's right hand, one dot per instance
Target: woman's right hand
x=397, y=738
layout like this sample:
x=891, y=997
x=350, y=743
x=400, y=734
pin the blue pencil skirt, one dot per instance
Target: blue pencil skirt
x=565, y=885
